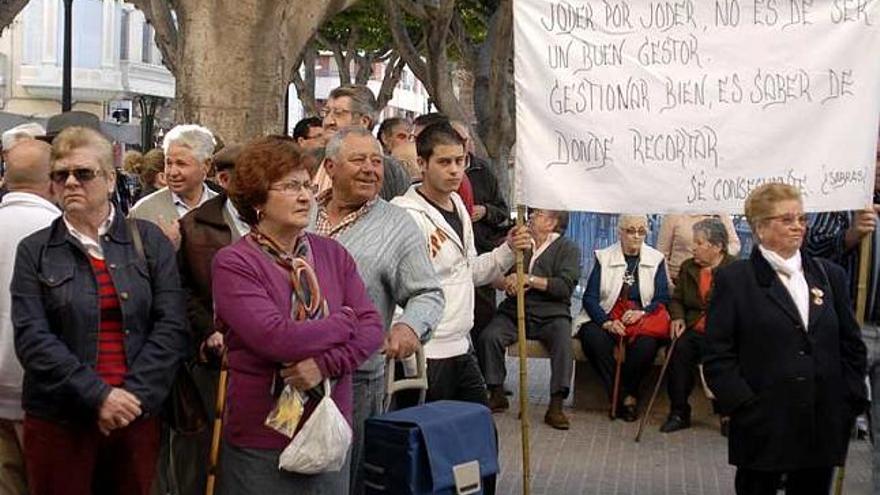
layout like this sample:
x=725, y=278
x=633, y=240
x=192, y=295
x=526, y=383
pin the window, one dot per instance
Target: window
x=147, y=44
x=123, y=35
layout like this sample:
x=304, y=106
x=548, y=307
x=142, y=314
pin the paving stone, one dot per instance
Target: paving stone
x=598, y=456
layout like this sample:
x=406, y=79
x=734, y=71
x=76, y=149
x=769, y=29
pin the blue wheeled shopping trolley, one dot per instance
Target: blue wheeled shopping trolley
x=444, y=447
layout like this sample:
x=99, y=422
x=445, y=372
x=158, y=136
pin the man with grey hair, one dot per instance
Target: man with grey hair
x=355, y=105
x=23, y=132
x=25, y=209
x=389, y=250
x=188, y=149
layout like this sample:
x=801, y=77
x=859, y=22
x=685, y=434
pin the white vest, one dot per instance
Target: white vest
x=613, y=266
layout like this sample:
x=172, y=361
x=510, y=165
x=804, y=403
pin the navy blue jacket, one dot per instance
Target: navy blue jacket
x=791, y=391
x=55, y=313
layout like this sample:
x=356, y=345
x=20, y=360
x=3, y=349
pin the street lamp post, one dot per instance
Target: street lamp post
x=66, y=102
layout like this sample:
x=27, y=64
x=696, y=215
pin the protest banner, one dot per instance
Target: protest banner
x=686, y=106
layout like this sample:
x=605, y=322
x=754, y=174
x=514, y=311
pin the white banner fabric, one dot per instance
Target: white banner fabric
x=686, y=106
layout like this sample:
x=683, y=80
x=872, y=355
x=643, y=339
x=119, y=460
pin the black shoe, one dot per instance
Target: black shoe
x=674, y=423
x=497, y=401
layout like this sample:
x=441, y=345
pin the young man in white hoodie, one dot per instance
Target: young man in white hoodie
x=453, y=372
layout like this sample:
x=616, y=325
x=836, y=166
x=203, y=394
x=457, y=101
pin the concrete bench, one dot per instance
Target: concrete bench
x=588, y=392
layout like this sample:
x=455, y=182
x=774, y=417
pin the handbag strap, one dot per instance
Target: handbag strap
x=136, y=237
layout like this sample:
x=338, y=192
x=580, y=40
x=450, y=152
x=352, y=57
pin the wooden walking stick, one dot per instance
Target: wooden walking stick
x=861, y=303
x=619, y=356
x=523, y=375
x=656, y=388
x=219, y=406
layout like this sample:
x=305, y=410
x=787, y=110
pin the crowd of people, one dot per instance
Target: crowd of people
x=310, y=262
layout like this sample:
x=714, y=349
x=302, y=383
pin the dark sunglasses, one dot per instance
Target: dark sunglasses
x=82, y=175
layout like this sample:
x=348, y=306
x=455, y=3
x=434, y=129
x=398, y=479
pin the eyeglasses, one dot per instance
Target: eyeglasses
x=292, y=187
x=405, y=136
x=635, y=232
x=337, y=113
x=81, y=175
x=789, y=219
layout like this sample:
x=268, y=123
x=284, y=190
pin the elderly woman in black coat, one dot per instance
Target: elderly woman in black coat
x=785, y=358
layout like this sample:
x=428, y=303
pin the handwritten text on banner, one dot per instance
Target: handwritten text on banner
x=686, y=106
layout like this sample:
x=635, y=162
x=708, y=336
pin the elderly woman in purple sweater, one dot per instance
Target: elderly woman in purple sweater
x=282, y=327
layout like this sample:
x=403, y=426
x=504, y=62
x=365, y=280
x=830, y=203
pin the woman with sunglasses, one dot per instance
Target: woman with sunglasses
x=625, y=302
x=296, y=313
x=99, y=329
x=784, y=354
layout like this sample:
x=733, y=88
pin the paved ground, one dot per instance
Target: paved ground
x=598, y=456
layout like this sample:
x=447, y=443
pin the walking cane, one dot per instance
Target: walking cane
x=219, y=406
x=615, y=391
x=861, y=303
x=656, y=388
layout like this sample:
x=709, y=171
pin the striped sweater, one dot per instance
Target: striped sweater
x=111, y=366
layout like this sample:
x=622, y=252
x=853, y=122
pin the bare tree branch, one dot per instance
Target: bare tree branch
x=364, y=64
x=468, y=50
x=393, y=73
x=402, y=40
x=308, y=17
x=305, y=83
x=159, y=14
x=414, y=9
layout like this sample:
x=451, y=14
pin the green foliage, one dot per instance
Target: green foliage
x=369, y=18
x=374, y=33
x=475, y=16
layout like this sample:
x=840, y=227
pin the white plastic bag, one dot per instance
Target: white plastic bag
x=323, y=442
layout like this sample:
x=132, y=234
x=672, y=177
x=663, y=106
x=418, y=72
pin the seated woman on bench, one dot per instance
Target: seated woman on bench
x=625, y=300
x=688, y=311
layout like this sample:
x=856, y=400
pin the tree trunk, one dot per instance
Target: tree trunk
x=9, y=9
x=232, y=59
x=305, y=83
x=494, y=102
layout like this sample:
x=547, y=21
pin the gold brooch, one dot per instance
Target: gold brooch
x=818, y=294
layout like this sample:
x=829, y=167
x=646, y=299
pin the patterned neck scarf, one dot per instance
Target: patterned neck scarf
x=308, y=302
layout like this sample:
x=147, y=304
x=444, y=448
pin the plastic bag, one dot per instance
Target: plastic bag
x=284, y=418
x=323, y=442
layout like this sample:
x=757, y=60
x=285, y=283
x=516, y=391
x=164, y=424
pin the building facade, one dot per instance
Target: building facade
x=115, y=61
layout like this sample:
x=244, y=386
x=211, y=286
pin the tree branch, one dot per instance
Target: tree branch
x=303, y=24
x=305, y=85
x=404, y=43
x=414, y=9
x=9, y=10
x=468, y=50
x=339, y=57
x=393, y=73
x=159, y=14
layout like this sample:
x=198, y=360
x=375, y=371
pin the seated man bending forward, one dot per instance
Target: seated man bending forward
x=554, y=270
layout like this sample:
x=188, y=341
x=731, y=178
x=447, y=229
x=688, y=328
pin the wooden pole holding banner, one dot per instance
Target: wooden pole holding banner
x=521, y=339
x=861, y=303
x=862, y=286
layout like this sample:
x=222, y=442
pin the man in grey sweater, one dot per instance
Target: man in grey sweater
x=389, y=250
